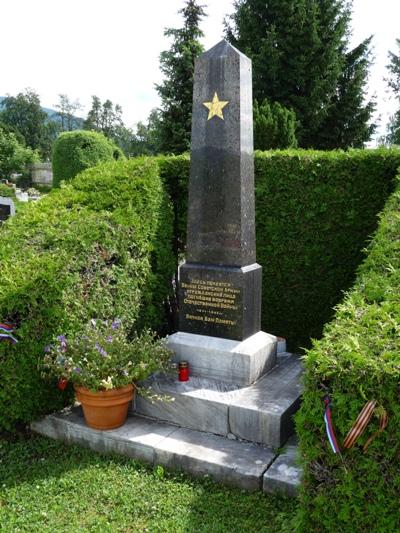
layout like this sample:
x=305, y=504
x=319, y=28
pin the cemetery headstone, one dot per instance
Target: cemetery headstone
x=220, y=283
x=7, y=208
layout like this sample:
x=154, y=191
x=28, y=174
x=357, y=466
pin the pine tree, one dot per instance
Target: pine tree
x=177, y=65
x=347, y=123
x=104, y=117
x=393, y=136
x=299, y=53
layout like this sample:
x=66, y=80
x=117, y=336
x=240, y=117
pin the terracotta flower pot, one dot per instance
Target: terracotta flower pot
x=106, y=409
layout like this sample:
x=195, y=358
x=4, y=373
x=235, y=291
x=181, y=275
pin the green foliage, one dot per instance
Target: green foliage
x=24, y=113
x=48, y=486
x=146, y=139
x=103, y=357
x=14, y=157
x=346, y=123
x=99, y=247
x=75, y=151
x=66, y=113
x=393, y=130
x=176, y=91
x=358, y=359
x=301, y=59
x=274, y=126
x=104, y=117
x=6, y=191
x=393, y=136
x=314, y=214
x=394, y=70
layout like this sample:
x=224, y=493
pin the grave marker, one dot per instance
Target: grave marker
x=7, y=208
x=220, y=283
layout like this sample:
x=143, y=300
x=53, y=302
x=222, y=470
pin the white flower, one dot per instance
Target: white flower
x=107, y=383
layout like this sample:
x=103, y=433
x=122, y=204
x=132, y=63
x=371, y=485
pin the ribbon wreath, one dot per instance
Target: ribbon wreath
x=6, y=331
x=358, y=427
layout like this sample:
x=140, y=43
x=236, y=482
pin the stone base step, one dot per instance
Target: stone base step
x=232, y=462
x=284, y=475
x=260, y=413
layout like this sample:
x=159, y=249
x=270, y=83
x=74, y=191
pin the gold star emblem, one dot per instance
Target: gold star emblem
x=215, y=107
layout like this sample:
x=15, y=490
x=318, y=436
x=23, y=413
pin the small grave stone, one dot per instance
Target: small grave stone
x=7, y=208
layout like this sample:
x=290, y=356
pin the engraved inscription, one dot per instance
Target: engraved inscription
x=211, y=301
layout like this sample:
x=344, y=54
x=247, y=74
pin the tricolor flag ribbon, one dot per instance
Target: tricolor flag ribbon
x=8, y=337
x=5, y=333
x=329, y=427
x=6, y=327
x=360, y=424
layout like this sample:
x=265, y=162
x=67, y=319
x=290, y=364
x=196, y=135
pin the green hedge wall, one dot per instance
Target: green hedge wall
x=314, y=214
x=75, y=151
x=99, y=247
x=357, y=359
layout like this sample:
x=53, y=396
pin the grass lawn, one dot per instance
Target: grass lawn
x=47, y=486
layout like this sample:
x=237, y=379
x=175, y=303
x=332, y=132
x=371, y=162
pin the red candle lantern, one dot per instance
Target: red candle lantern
x=183, y=373
x=62, y=383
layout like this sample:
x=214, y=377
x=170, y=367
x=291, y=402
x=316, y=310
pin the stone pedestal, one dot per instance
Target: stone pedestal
x=232, y=361
x=220, y=301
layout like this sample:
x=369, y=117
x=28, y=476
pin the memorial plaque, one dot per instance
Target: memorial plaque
x=220, y=284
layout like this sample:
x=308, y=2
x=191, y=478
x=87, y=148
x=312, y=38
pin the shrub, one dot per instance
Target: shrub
x=315, y=212
x=6, y=191
x=358, y=359
x=14, y=156
x=274, y=126
x=99, y=247
x=75, y=151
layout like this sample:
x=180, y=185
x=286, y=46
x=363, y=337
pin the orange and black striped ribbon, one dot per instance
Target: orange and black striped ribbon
x=360, y=424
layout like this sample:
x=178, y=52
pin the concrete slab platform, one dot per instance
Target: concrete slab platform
x=264, y=412
x=261, y=412
x=200, y=403
x=238, y=362
x=284, y=475
x=232, y=462
x=235, y=463
x=137, y=438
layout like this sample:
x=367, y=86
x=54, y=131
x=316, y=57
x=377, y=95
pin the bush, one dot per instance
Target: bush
x=358, y=359
x=99, y=247
x=6, y=191
x=274, y=126
x=75, y=151
x=14, y=156
x=315, y=212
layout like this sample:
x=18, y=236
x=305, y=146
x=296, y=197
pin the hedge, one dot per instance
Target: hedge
x=75, y=151
x=315, y=212
x=98, y=247
x=357, y=359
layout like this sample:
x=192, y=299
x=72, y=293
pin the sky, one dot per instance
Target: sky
x=111, y=48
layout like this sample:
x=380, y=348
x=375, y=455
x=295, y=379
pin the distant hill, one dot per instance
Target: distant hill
x=52, y=114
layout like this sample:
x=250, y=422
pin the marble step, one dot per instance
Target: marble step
x=260, y=413
x=231, y=462
x=284, y=475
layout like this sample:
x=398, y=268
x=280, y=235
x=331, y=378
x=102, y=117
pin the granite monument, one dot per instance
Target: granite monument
x=220, y=283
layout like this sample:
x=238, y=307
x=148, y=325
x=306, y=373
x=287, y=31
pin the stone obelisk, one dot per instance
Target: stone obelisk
x=220, y=283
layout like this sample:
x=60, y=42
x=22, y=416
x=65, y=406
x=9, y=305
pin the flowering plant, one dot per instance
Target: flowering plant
x=103, y=358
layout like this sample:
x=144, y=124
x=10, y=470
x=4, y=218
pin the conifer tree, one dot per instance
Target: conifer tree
x=177, y=65
x=300, y=59
x=393, y=136
x=274, y=126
